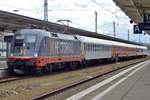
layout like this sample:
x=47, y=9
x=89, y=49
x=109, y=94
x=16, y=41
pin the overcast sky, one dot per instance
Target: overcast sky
x=81, y=14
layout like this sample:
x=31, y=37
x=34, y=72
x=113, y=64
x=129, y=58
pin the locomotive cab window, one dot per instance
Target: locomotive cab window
x=19, y=40
x=24, y=45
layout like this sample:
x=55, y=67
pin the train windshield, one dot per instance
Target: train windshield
x=24, y=45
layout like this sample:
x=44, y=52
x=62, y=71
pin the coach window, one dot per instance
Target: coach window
x=98, y=47
x=93, y=47
x=104, y=47
x=31, y=39
x=101, y=47
x=67, y=44
x=66, y=48
x=85, y=47
x=90, y=47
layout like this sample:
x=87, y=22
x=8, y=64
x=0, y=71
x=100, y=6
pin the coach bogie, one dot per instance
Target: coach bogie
x=72, y=65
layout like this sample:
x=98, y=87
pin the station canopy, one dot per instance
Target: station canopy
x=135, y=9
x=11, y=21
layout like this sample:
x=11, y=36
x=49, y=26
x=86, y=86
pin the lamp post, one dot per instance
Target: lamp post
x=45, y=10
x=95, y=21
x=114, y=28
x=128, y=35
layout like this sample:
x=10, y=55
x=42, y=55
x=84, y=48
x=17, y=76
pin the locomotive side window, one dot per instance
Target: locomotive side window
x=44, y=47
x=31, y=39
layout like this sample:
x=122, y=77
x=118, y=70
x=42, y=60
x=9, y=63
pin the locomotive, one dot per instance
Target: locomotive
x=40, y=51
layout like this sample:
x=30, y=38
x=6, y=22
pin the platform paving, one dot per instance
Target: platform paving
x=136, y=87
x=133, y=85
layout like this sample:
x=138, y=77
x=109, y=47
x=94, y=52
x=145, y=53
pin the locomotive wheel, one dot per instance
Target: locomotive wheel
x=39, y=72
x=10, y=70
x=73, y=65
x=47, y=69
x=50, y=68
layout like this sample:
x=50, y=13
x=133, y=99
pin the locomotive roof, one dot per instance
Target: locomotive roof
x=33, y=31
x=46, y=33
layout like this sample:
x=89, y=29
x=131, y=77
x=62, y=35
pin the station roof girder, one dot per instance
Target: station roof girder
x=135, y=9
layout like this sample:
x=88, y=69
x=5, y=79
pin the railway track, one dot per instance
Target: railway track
x=60, y=90
x=63, y=89
x=8, y=79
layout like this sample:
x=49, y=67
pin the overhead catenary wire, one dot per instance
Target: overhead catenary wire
x=40, y=13
x=113, y=13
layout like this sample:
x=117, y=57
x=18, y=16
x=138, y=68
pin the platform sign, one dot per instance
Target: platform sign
x=146, y=18
x=144, y=26
x=137, y=29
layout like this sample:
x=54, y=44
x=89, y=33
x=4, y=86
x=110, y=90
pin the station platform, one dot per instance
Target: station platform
x=132, y=84
x=136, y=87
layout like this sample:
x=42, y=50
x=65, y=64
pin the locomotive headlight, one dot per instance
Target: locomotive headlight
x=11, y=54
x=35, y=55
